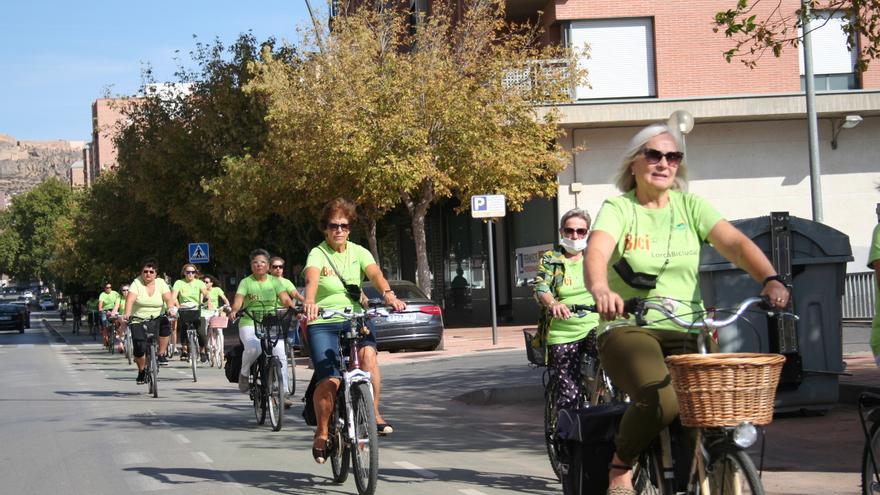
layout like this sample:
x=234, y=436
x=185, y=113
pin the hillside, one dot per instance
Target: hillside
x=24, y=164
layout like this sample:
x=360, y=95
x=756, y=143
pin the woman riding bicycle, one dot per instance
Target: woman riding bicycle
x=108, y=302
x=334, y=271
x=148, y=295
x=646, y=243
x=559, y=284
x=257, y=294
x=215, y=298
x=188, y=292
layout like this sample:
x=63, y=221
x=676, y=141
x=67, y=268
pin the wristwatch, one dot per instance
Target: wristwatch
x=777, y=278
x=389, y=291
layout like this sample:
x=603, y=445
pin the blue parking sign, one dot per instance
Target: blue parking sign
x=199, y=252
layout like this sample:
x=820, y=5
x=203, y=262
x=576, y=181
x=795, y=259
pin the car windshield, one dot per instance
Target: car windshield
x=402, y=291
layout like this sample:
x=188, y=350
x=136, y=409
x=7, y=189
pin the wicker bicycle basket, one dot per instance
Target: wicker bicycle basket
x=725, y=389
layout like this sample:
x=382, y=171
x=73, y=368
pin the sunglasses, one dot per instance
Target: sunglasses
x=277, y=266
x=673, y=158
x=124, y=290
x=571, y=231
x=208, y=281
x=338, y=226
x=108, y=288
x=189, y=272
x=149, y=271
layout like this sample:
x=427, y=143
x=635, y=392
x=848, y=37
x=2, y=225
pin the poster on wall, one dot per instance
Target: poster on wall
x=527, y=260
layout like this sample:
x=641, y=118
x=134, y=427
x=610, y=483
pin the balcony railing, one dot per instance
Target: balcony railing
x=542, y=81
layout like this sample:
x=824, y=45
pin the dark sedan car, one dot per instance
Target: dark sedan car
x=22, y=307
x=420, y=326
x=12, y=317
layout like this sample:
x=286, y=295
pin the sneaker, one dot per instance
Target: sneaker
x=142, y=377
x=204, y=357
x=243, y=385
x=162, y=360
x=184, y=356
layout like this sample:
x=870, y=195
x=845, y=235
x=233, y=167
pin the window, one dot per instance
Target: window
x=833, y=62
x=621, y=61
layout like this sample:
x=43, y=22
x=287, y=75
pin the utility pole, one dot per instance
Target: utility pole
x=812, y=119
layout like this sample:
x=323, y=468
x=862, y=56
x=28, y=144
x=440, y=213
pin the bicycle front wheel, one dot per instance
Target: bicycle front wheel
x=275, y=387
x=733, y=472
x=193, y=351
x=128, y=344
x=339, y=457
x=869, y=475
x=290, y=368
x=154, y=370
x=365, y=444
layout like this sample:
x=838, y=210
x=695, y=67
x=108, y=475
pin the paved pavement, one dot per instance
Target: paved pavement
x=806, y=453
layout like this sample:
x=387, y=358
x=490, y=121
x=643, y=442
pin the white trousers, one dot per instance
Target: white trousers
x=252, y=352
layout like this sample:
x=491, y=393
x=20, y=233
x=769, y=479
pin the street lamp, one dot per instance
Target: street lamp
x=838, y=125
x=684, y=122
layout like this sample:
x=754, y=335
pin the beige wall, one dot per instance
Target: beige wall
x=749, y=169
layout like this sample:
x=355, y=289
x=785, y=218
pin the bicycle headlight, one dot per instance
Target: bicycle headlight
x=745, y=435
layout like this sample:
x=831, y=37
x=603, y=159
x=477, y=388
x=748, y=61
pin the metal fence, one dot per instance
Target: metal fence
x=858, y=296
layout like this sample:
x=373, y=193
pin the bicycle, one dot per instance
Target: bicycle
x=869, y=403
x=62, y=313
x=287, y=326
x=128, y=344
x=76, y=323
x=716, y=463
x=352, y=424
x=151, y=365
x=216, y=324
x=188, y=320
x=108, y=327
x=94, y=323
x=266, y=382
x=594, y=388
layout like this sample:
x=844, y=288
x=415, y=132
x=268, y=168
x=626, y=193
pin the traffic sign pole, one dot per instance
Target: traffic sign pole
x=492, y=282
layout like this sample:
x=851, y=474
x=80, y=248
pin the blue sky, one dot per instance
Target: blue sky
x=57, y=57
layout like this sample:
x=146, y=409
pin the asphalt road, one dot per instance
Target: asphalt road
x=73, y=419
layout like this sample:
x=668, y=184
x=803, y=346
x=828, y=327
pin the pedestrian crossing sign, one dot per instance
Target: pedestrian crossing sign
x=199, y=252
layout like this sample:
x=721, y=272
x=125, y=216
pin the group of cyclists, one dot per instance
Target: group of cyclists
x=646, y=243
x=334, y=272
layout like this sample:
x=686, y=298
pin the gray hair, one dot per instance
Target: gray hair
x=625, y=181
x=575, y=212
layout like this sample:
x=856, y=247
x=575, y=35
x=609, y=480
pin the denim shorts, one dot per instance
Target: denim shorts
x=324, y=347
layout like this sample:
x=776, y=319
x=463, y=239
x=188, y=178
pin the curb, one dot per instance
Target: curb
x=54, y=332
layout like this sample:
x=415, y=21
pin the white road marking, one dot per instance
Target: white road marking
x=499, y=435
x=471, y=491
x=144, y=483
x=24, y=346
x=228, y=477
x=182, y=439
x=160, y=422
x=201, y=456
x=151, y=412
x=127, y=458
x=412, y=467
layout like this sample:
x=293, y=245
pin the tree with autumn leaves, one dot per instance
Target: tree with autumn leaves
x=389, y=112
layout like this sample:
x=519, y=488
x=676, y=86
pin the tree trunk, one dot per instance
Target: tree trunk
x=371, y=238
x=418, y=210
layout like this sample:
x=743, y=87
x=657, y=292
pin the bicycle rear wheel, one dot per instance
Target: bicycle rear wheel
x=275, y=387
x=733, y=472
x=550, y=417
x=218, y=350
x=257, y=394
x=868, y=474
x=128, y=344
x=340, y=459
x=193, y=351
x=365, y=445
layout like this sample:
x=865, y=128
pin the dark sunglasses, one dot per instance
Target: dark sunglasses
x=337, y=226
x=208, y=281
x=571, y=231
x=277, y=266
x=189, y=272
x=149, y=271
x=673, y=158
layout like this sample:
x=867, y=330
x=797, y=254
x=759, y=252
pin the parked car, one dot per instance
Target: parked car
x=22, y=306
x=13, y=318
x=419, y=327
x=47, y=303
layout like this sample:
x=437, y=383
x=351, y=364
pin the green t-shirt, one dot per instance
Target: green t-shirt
x=874, y=258
x=351, y=264
x=572, y=291
x=189, y=293
x=92, y=304
x=259, y=297
x=214, y=294
x=106, y=300
x=288, y=287
x=651, y=236
x=146, y=305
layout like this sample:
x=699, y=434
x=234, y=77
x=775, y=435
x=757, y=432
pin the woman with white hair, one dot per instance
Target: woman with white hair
x=646, y=242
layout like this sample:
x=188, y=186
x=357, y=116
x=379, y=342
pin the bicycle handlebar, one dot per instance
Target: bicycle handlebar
x=373, y=312
x=638, y=307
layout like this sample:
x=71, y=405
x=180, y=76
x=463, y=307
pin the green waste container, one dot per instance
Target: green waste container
x=818, y=256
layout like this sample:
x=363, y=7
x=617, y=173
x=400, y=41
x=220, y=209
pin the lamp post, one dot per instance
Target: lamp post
x=812, y=120
x=684, y=122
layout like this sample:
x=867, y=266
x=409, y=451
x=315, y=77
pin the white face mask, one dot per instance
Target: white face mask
x=573, y=246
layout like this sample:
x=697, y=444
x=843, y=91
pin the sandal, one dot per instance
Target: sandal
x=321, y=454
x=384, y=429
